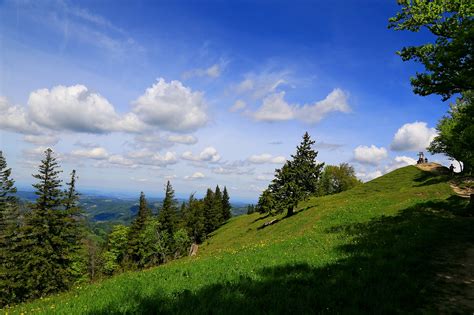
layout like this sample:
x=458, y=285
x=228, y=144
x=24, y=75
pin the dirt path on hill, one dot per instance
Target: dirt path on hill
x=457, y=281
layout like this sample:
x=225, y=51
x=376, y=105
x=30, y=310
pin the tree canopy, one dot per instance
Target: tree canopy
x=456, y=132
x=449, y=60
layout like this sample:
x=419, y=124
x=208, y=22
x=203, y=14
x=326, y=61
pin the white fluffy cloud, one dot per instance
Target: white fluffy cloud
x=266, y=158
x=209, y=154
x=171, y=106
x=370, y=155
x=76, y=108
x=260, y=85
x=15, y=118
x=98, y=153
x=336, y=101
x=195, y=176
x=275, y=108
x=413, y=137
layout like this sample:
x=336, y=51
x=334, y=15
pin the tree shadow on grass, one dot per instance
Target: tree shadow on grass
x=428, y=178
x=390, y=266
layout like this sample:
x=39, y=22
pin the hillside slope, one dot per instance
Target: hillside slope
x=379, y=248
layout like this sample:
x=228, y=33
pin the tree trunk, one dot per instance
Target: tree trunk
x=290, y=211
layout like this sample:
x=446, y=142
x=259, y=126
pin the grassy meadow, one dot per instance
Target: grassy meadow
x=378, y=248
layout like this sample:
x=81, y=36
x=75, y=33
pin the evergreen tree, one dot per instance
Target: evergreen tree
x=210, y=219
x=72, y=229
x=46, y=257
x=9, y=236
x=193, y=218
x=135, y=248
x=266, y=203
x=168, y=213
x=217, y=206
x=298, y=178
x=226, y=207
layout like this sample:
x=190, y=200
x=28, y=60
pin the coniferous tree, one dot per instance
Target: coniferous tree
x=168, y=213
x=217, y=206
x=46, y=259
x=9, y=236
x=135, y=246
x=72, y=229
x=194, y=221
x=298, y=178
x=210, y=219
x=226, y=207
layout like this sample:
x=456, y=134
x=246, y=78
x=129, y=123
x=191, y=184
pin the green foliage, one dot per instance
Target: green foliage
x=211, y=217
x=226, y=207
x=194, y=220
x=378, y=248
x=116, y=249
x=250, y=209
x=336, y=179
x=135, y=251
x=168, y=212
x=297, y=179
x=182, y=242
x=49, y=243
x=266, y=202
x=449, y=60
x=9, y=234
x=456, y=132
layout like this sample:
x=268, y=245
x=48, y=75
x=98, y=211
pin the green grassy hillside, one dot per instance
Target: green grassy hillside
x=378, y=248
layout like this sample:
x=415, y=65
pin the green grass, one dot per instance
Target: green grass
x=374, y=249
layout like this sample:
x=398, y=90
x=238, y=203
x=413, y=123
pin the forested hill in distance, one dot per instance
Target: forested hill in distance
x=116, y=209
x=387, y=246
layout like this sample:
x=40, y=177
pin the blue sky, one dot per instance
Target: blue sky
x=133, y=93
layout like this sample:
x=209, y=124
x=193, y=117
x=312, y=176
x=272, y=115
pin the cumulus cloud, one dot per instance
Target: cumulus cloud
x=195, y=176
x=98, y=153
x=238, y=105
x=266, y=158
x=76, y=108
x=275, y=108
x=413, y=137
x=209, y=154
x=121, y=161
x=15, y=118
x=336, y=101
x=370, y=155
x=171, y=106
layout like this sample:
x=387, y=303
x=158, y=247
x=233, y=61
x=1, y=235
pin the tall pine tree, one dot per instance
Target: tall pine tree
x=47, y=261
x=210, y=219
x=298, y=178
x=168, y=213
x=135, y=246
x=217, y=206
x=226, y=207
x=9, y=236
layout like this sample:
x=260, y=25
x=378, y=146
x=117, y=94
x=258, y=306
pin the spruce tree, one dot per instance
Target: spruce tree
x=9, y=236
x=210, y=221
x=217, y=206
x=226, y=207
x=193, y=217
x=47, y=261
x=298, y=178
x=168, y=213
x=135, y=246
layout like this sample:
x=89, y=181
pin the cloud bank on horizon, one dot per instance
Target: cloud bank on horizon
x=198, y=108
